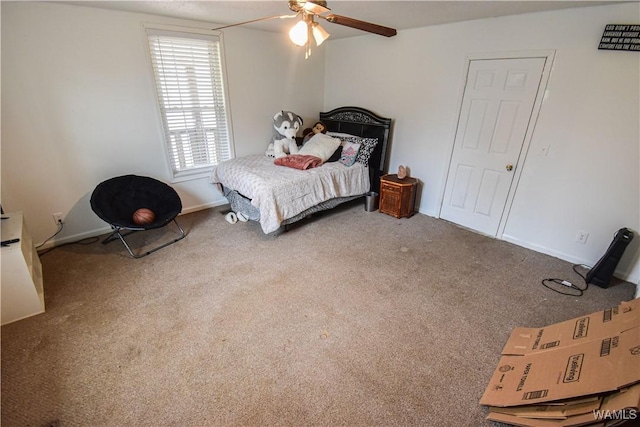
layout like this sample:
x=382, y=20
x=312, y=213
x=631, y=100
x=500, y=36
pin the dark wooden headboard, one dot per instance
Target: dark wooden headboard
x=360, y=122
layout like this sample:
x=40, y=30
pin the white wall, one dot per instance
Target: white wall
x=78, y=107
x=591, y=119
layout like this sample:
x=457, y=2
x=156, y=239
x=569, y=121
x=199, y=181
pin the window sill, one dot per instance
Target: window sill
x=192, y=175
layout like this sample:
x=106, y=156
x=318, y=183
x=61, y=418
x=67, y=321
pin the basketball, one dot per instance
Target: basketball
x=143, y=216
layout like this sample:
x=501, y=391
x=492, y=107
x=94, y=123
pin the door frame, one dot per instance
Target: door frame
x=549, y=56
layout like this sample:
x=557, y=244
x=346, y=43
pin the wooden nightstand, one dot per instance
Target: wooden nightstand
x=398, y=196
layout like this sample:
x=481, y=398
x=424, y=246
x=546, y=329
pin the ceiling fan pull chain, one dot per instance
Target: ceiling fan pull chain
x=307, y=54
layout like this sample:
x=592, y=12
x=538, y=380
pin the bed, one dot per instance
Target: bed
x=277, y=196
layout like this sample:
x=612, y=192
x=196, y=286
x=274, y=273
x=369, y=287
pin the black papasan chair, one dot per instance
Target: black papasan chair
x=116, y=199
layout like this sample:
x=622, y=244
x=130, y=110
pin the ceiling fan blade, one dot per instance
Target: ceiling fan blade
x=361, y=25
x=255, y=20
x=315, y=8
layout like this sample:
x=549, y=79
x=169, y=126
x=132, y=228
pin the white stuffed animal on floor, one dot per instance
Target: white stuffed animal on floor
x=285, y=128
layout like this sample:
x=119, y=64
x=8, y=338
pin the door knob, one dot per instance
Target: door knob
x=509, y=167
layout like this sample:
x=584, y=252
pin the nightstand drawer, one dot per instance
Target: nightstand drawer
x=390, y=188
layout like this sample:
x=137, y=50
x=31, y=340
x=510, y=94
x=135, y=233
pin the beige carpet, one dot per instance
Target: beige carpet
x=354, y=319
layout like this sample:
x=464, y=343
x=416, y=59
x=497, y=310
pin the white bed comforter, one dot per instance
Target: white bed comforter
x=280, y=192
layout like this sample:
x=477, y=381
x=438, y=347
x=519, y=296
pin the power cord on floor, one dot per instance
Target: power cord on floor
x=60, y=227
x=576, y=291
x=86, y=241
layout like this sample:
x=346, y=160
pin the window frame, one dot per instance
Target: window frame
x=188, y=33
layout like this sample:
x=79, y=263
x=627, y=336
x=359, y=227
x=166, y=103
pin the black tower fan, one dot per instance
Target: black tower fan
x=601, y=273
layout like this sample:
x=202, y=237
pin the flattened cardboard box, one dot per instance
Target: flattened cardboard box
x=591, y=367
x=623, y=405
x=558, y=412
x=575, y=331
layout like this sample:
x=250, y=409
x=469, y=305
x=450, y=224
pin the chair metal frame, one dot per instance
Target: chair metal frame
x=117, y=233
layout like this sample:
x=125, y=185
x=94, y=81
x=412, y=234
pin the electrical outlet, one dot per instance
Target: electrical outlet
x=57, y=218
x=582, y=237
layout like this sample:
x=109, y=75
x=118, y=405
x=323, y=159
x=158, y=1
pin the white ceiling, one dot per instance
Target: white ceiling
x=396, y=14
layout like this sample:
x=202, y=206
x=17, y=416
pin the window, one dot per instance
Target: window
x=192, y=99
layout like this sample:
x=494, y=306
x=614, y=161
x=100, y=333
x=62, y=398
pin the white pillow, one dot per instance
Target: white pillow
x=320, y=145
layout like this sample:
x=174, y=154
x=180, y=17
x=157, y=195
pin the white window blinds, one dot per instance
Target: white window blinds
x=191, y=96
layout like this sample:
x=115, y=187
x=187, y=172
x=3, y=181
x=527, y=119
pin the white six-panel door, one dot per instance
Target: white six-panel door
x=496, y=110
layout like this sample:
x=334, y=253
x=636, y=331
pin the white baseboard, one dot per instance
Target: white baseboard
x=74, y=238
x=204, y=206
x=104, y=230
x=428, y=213
x=620, y=274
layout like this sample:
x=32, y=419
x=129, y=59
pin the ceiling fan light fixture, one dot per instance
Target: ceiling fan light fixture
x=319, y=33
x=299, y=33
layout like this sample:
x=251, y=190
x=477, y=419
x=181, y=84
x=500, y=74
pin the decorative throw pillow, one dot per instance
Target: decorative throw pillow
x=349, y=153
x=367, y=145
x=320, y=145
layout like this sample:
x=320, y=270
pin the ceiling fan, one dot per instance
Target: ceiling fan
x=302, y=32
